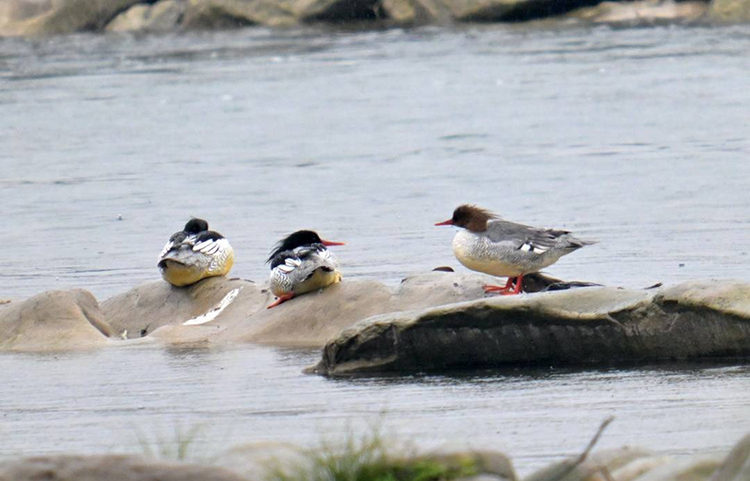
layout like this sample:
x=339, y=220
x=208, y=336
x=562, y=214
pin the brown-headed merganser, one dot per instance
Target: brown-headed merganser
x=301, y=263
x=497, y=247
x=195, y=253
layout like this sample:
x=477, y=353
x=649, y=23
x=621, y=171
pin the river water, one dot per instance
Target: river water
x=637, y=138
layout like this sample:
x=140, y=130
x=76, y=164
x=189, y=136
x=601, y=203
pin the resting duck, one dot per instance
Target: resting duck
x=506, y=249
x=301, y=263
x=195, y=253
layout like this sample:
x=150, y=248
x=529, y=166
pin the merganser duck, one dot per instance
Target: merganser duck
x=506, y=249
x=301, y=263
x=195, y=253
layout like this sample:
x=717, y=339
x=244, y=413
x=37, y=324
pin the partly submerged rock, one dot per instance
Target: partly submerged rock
x=730, y=11
x=54, y=17
x=736, y=466
x=140, y=311
x=642, y=12
x=163, y=16
x=52, y=321
x=212, y=14
x=109, y=468
x=220, y=311
x=578, y=326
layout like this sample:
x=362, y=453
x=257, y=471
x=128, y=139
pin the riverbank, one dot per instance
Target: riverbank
x=372, y=458
x=54, y=17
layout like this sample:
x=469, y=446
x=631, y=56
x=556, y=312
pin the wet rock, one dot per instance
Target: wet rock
x=109, y=468
x=53, y=320
x=142, y=310
x=212, y=14
x=261, y=460
x=194, y=314
x=592, y=467
x=697, y=468
x=736, y=466
x=511, y=10
x=642, y=12
x=577, y=326
x=312, y=319
x=336, y=10
x=54, y=17
x=163, y=16
x=729, y=11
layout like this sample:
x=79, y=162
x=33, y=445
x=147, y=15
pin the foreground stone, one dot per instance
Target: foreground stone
x=108, y=468
x=53, y=321
x=259, y=461
x=708, y=319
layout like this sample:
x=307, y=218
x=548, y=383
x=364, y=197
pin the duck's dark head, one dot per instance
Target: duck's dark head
x=470, y=217
x=299, y=239
x=196, y=226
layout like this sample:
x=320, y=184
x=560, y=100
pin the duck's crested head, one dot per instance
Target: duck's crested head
x=470, y=217
x=299, y=239
x=196, y=226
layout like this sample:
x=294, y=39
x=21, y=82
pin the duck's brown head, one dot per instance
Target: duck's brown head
x=470, y=217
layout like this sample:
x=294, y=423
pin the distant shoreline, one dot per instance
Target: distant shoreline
x=33, y=18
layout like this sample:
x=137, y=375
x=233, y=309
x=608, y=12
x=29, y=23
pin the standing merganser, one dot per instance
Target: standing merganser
x=506, y=249
x=301, y=263
x=195, y=253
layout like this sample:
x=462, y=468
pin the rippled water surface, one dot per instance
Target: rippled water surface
x=635, y=137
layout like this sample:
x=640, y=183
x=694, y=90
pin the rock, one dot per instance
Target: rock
x=309, y=320
x=511, y=10
x=163, y=16
x=210, y=14
x=109, y=468
x=140, y=311
x=259, y=461
x=592, y=466
x=696, y=468
x=638, y=467
x=577, y=326
x=335, y=10
x=729, y=11
x=736, y=466
x=53, y=320
x=312, y=319
x=642, y=12
x=56, y=17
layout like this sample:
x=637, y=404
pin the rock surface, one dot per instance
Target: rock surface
x=53, y=321
x=730, y=11
x=257, y=461
x=51, y=17
x=108, y=468
x=164, y=16
x=305, y=321
x=642, y=12
x=578, y=326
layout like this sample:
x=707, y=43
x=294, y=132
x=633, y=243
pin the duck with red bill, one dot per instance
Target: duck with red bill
x=301, y=263
x=488, y=244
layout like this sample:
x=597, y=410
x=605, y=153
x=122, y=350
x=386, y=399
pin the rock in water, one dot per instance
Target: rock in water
x=52, y=321
x=579, y=326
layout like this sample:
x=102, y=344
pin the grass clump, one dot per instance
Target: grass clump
x=368, y=459
x=177, y=447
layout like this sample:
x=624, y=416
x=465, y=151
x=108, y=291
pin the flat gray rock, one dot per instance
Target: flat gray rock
x=577, y=326
x=108, y=468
